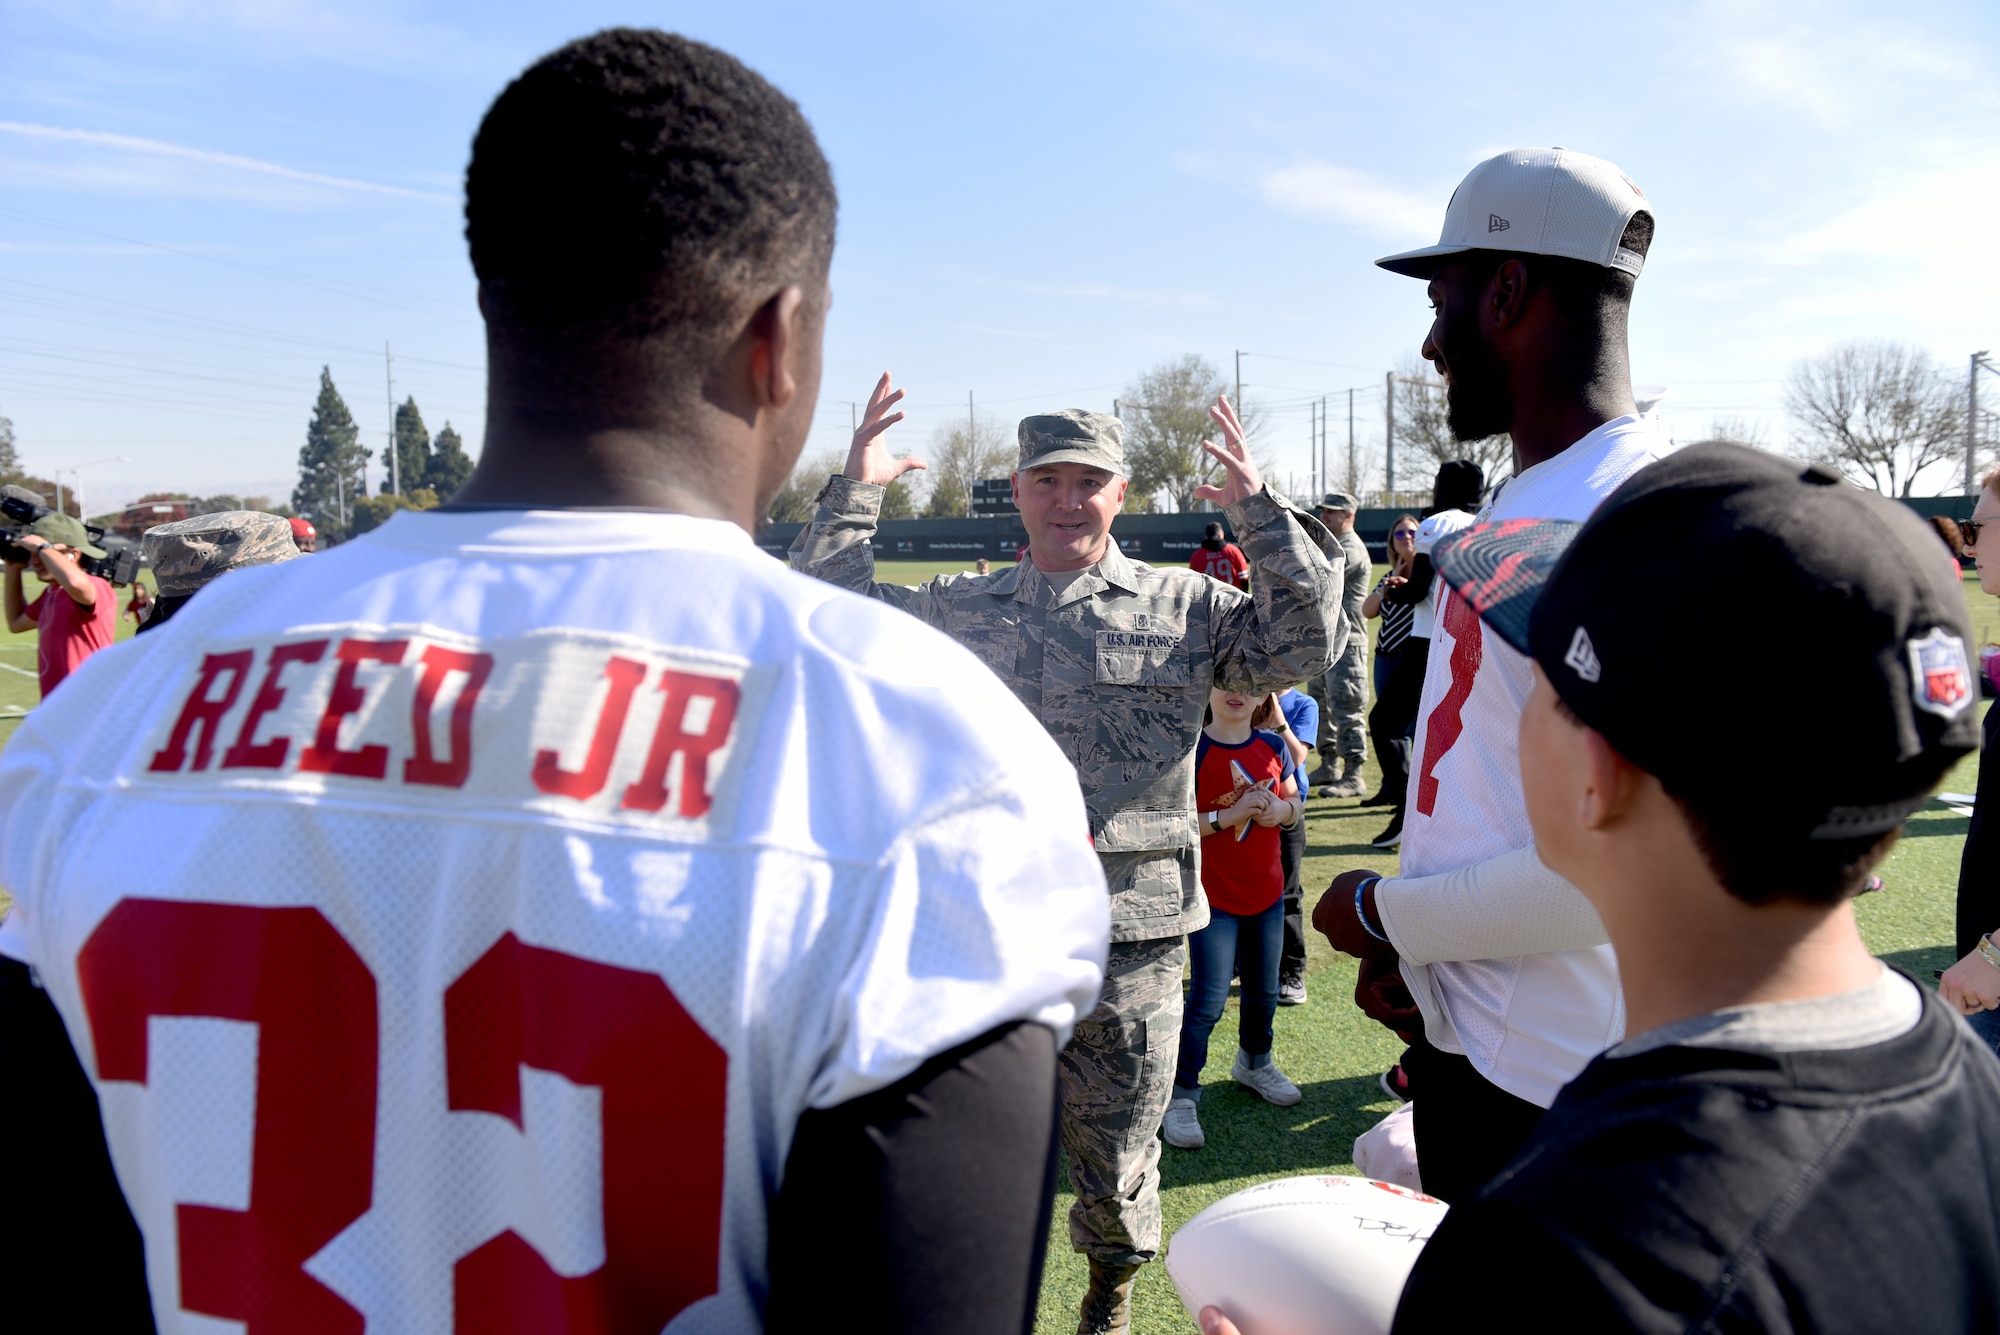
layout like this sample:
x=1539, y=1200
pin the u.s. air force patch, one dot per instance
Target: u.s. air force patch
x=1940, y=676
x=1136, y=639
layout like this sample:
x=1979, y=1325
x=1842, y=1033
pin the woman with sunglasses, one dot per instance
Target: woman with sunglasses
x=1973, y=984
x=1395, y=633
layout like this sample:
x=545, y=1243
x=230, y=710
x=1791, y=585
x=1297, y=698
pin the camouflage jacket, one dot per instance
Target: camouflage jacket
x=1359, y=573
x=1119, y=666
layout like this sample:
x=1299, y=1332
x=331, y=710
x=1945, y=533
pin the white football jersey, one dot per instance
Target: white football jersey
x=1529, y=1023
x=1423, y=617
x=456, y=924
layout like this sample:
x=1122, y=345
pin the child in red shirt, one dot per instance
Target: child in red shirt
x=1242, y=795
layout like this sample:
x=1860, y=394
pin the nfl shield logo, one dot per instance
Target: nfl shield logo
x=1940, y=677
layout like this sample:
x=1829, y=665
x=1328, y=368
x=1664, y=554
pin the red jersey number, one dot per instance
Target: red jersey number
x=287, y=970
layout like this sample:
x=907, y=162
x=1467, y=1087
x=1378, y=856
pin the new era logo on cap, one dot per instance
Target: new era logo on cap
x=1582, y=656
x=1496, y=223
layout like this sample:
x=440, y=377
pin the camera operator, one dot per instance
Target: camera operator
x=77, y=613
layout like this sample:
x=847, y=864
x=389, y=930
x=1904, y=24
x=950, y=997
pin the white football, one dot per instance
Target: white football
x=1305, y=1255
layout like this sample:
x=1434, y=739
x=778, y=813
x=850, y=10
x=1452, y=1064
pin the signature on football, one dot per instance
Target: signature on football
x=1390, y=1229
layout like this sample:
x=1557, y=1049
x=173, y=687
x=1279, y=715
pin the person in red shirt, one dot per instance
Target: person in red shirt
x=77, y=614
x=1242, y=797
x=1221, y=560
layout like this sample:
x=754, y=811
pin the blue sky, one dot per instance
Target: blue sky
x=201, y=204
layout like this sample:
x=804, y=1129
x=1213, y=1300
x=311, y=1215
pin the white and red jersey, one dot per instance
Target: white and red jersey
x=455, y=925
x=1528, y=1023
x=1423, y=617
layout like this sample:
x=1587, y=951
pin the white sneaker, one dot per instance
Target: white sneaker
x=1182, y=1129
x=1266, y=1082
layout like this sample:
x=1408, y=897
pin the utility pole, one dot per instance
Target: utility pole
x=1389, y=440
x=971, y=420
x=1312, y=443
x=1972, y=422
x=395, y=455
x=1353, y=462
x=1237, y=402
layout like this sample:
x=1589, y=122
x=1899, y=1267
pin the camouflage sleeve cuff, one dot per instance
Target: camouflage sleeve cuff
x=849, y=499
x=1258, y=512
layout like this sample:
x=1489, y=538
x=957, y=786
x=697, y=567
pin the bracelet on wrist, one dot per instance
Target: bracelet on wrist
x=1361, y=909
x=1987, y=951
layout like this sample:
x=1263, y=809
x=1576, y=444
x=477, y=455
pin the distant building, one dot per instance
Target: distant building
x=136, y=519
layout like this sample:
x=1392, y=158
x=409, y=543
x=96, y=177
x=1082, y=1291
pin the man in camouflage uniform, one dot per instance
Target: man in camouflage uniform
x=1116, y=659
x=1343, y=692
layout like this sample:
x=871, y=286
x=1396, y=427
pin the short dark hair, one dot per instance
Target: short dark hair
x=636, y=184
x=1756, y=868
x=1212, y=531
x=1736, y=842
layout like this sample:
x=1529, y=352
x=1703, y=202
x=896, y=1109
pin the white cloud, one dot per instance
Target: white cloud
x=133, y=145
x=1341, y=194
x=1839, y=69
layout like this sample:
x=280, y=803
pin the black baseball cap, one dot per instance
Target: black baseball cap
x=1747, y=629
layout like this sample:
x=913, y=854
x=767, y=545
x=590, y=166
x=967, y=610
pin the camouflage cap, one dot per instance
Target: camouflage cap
x=67, y=530
x=188, y=553
x=1073, y=436
x=1337, y=500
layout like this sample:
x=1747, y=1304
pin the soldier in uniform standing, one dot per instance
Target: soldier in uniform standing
x=1343, y=692
x=1116, y=659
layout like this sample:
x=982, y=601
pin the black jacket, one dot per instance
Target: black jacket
x=1701, y=1189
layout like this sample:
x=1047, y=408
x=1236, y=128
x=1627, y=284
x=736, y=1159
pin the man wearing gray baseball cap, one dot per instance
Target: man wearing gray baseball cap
x=1531, y=281
x=1116, y=659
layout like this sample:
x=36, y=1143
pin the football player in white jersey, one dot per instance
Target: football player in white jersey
x=1507, y=964
x=549, y=912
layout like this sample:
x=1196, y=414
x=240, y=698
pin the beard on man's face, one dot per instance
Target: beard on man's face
x=1477, y=403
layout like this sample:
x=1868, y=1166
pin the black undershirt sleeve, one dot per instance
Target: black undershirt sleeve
x=923, y=1206
x=1422, y=572
x=75, y=1258
x=1490, y=1264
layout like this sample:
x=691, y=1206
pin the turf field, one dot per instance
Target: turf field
x=1326, y=1046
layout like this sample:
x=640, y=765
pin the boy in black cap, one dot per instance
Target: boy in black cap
x=1796, y=1137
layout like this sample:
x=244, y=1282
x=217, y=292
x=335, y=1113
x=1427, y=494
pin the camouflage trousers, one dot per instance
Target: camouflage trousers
x=1343, y=699
x=1116, y=1076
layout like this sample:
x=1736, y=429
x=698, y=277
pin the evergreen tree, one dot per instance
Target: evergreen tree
x=10, y=462
x=449, y=465
x=330, y=462
x=413, y=451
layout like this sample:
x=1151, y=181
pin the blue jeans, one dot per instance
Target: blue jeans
x=1249, y=945
x=1986, y=1024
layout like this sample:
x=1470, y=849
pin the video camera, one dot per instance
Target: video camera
x=119, y=566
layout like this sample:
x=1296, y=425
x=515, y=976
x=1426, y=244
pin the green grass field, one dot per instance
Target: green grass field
x=1326, y=1046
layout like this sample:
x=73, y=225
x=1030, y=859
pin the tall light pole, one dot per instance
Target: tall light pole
x=76, y=471
x=1972, y=420
x=395, y=460
x=1389, y=438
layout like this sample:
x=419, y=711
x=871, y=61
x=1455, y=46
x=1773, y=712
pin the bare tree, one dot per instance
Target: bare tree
x=794, y=502
x=1166, y=420
x=1423, y=426
x=961, y=454
x=1881, y=412
x=1738, y=431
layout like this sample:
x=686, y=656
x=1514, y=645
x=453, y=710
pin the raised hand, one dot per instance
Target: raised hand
x=868, y=459
x=1240, y=476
